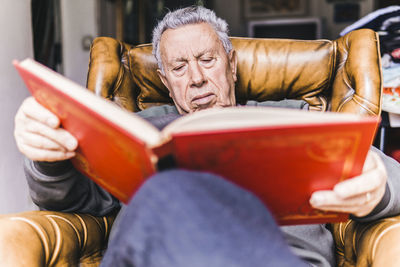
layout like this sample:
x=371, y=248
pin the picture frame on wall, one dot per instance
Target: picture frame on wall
x=273, y=8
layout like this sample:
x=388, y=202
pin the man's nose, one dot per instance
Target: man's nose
x=197, y=77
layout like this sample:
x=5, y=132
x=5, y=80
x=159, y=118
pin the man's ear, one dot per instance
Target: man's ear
x=233, y=63
x=163, y=80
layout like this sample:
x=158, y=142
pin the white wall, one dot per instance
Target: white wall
x=16, y=43
x=78, y=19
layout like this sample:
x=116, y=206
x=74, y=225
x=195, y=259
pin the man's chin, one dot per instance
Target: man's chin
x=215, y=105
x=197, y=106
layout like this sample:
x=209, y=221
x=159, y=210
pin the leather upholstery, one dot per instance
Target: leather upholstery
x=368, y=244
x=41, y=238
x=342, y=75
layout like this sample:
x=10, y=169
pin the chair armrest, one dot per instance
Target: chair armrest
x=41, y=238
x=368, y=244
x=358, y=80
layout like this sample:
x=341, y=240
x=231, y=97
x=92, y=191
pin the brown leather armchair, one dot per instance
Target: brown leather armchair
x=342, y=76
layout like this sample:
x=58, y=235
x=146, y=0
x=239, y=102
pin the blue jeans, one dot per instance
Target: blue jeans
x=187, y=219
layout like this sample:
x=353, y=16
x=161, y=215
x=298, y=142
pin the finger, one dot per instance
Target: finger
x=356, y=211
x=40, y=142
x=45, y=155
x=359, y=205
x=30, y=108
x=330, y=198
x=359, y=185
x=59, y=135
x=369, y=181
x=369, y=163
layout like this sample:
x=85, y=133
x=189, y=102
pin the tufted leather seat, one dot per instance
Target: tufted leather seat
x=343, y=75
x=43, y=238
x=368, y=244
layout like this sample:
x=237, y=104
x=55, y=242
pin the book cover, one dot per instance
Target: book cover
x=112, y=156
x=281, y=166
x=282, y=156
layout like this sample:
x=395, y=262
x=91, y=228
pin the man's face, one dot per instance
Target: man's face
x=198, y=72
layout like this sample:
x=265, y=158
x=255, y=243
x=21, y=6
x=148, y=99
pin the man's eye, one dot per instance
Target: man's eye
x=207, y=61
x=179, y=68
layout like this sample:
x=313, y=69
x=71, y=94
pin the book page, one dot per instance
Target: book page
x=249, y=117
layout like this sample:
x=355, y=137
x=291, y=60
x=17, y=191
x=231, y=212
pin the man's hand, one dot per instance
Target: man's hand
x=39, y=136
x=358, y=195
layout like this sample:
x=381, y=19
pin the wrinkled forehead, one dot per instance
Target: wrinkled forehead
x=189, y=40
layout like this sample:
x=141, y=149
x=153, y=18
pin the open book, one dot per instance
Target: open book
x=281, y=155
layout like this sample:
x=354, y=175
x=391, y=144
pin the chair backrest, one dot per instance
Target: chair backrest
x=343, y=75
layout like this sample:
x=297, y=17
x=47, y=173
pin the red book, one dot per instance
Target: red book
x=281, y=155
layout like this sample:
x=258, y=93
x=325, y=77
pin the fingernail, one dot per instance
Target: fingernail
x=70, y=154
x=52, y=122
x=316, y=199
x=71, y=144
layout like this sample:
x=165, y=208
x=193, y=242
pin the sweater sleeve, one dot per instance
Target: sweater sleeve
x=58, y=186
x=286, y=103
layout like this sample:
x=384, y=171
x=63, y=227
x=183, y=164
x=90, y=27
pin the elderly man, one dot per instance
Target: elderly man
x=182, y=218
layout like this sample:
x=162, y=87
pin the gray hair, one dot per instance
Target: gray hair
x=186, y=16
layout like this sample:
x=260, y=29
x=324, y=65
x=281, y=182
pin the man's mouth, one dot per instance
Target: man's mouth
x=203, y=99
